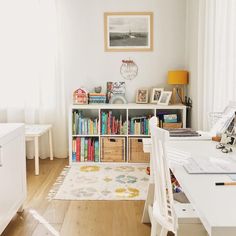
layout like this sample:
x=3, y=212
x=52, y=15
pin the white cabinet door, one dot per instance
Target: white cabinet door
x=12, y=179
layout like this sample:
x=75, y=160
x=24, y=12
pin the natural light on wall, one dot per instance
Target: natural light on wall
x=216, y=57
x=28, y=51
x=31, y=83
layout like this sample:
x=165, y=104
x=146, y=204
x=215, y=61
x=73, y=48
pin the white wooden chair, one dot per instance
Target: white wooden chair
x=165, y=214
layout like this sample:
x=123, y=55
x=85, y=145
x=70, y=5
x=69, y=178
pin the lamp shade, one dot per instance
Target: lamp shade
x=178, y=77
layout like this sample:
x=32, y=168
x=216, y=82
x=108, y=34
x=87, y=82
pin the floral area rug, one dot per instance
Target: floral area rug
x=101, y=182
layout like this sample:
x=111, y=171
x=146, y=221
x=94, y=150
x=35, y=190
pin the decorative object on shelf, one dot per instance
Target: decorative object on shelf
x=170, y=118
x=164, y=98
x=80, y=96
x=98, y=89
x=128, y=69
x=178, y=78
x=118, y=99
x=97, y=98
x=156, y=93
x=115, y=88
x=128, y=31
x=142, y=96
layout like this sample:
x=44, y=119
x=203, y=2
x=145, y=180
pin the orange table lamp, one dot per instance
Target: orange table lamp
x=178, y=78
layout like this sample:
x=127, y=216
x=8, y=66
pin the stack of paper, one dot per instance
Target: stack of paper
x=210, y=165
x=177, y=156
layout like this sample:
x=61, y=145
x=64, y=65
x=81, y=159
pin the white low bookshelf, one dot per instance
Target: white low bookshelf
x=118, y=135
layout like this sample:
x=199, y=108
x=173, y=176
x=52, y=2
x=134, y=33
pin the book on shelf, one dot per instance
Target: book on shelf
x=85, y=149
x=139, y=125
x=73, y=150
x=114, y=88
x=83, y=125
x=97, y=98
x=78, y=149
x=112, y=124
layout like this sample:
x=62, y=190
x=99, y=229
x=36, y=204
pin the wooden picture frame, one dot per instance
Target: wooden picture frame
x=164, y=98
x=155, y=95
x=128, y=31
x=142, y=95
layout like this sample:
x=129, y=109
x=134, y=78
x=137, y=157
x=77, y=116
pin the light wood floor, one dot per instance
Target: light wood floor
x=71, y=218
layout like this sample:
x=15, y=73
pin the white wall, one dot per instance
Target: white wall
x=192, y=56
x=85, y=62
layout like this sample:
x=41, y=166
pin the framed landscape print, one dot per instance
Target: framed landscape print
x=128, y=31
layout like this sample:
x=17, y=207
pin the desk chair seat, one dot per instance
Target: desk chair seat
x=165, y=214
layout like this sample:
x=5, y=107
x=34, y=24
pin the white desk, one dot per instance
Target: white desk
x=216, y=205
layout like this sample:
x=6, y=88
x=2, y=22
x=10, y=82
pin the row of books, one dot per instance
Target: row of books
x=111, y=124
x=82, y=125
x=139, y=125
x=85, y=149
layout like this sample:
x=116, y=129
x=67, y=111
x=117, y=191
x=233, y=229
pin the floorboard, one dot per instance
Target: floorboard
x=74, y=218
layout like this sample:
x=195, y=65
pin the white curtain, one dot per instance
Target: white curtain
x=31, y=81
x=216, y=57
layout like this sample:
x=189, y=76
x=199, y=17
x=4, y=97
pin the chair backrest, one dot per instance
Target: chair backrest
x=163, y=202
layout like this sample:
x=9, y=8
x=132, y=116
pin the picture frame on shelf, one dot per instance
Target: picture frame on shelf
x=155, y=95
x=128, y=31
x=164, y=98
x=142, y=95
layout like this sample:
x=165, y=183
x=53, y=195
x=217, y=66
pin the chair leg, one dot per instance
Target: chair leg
x=50, y=144
x=36, y=155
x=164, y=232
x=148, y=202
x=154, y=228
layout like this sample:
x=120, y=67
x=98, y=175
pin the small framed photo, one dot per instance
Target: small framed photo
x=164, y=98
x=156, y=93
x=142, y=96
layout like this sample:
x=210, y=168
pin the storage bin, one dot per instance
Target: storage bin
x=113, y=149
x=136, y=153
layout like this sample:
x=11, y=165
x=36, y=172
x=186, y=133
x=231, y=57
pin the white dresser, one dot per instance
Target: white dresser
x=12, y=171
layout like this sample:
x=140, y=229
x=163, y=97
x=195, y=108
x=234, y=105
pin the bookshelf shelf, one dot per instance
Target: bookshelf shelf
x=95, y=128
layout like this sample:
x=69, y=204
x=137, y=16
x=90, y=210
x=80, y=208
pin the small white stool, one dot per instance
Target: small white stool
x=33, y=132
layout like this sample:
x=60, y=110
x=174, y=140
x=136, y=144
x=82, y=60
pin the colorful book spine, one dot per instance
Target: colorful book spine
x=85, y=149
x=78, y=149
x=111, y=124
x=82, y=149
x=96, y=151
x=73, y=150
x=82, y=125
x=139, y=125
